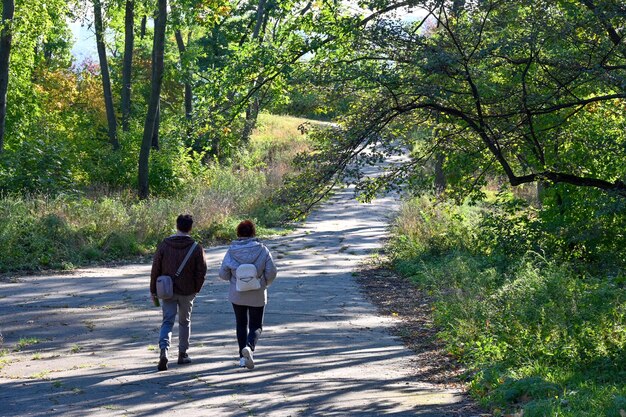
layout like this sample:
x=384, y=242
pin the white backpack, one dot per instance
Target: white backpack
x=246, y=278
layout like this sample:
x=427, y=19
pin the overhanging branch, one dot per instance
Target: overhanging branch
x=617, y=187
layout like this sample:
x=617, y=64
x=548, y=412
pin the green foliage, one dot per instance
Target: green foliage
x=60, y=230
x=310, y=96
x=432, y=228
x=37, y=166
x=573, y=225
x=585, y=225
x=539, y=328
x=519, y=90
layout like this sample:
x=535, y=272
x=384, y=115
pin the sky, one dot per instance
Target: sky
x=84, y=42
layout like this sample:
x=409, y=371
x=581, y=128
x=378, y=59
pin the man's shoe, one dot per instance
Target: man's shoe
x=183, y=358
x=163, y=360
x=242, y=362
x=249, y=358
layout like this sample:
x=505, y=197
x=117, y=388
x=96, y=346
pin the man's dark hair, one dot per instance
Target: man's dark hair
x=246, y=229
x=184, y=223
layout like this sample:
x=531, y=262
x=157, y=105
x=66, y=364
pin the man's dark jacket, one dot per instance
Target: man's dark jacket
x=167, y=259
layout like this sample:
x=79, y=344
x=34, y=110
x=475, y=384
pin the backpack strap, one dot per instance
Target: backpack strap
x=182, y=265
x=253, y=262
x=256, y=259
x=259, y=255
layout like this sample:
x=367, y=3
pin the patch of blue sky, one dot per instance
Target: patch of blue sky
x=84, y=47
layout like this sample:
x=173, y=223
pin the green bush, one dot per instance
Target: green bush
x=585, y=225
x=37, y=166
x=540, y=330
x=58, y=230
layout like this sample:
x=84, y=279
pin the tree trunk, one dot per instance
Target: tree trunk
x=106, y=79
x=158, y=48
x=129, y=39
x=154, y=143
x=440, y=178
x=188, y=101
x=144, y=22
x=8, y=8
x=260, y=13
x=542, y=186
x=188, y=91
x=457, y=7
x=252, y=112
x=157, y=125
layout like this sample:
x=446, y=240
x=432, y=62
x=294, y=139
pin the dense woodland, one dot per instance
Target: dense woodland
x=512, y=114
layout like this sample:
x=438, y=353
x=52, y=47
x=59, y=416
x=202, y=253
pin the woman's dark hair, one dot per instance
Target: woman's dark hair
x=246, y=229
x=184, y=223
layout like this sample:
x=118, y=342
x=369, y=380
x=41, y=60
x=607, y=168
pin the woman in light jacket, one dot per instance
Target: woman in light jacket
x=248, y=305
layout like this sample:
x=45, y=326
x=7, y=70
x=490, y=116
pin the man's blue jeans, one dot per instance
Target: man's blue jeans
x=184, y=304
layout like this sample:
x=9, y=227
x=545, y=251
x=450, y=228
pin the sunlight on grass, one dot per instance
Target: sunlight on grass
x=25, y=342
x=535, y=333
x=112, y=225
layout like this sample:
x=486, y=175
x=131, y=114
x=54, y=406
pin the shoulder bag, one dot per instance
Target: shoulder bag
x=165, y=284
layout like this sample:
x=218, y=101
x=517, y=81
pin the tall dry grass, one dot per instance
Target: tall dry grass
x=67, y=230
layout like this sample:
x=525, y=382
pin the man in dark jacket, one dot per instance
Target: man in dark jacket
x=167, y=259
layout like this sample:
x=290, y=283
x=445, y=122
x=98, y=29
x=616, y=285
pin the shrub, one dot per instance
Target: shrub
x=58, y=229
x=543, y=331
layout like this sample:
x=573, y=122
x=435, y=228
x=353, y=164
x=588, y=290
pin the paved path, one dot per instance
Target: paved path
x=324, y=350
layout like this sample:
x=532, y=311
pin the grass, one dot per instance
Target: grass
x=25, y=342
x=41, y=375
x=539, y=335
x=3, y=358
x=66, y=231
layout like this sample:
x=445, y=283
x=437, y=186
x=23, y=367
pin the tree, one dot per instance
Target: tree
x=155, y=93
x=247, y=55
x=8, y=8
x=106, y=78
x=183, y=18
x=517, y=89
x=129, y=37
x=180, y=42
x=252, y=111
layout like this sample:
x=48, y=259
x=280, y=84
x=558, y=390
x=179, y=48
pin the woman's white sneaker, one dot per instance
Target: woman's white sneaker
x=242, y=362
x=247, y=355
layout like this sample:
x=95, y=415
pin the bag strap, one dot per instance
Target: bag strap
x=182, y=265
x=256, y=259
x=258, y=256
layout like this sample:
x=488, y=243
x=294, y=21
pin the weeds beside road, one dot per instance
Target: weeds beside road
x=539, y=335
x=67, y=230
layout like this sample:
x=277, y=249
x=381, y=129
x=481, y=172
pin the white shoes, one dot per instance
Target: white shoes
x=242, y=362
x=247, y=357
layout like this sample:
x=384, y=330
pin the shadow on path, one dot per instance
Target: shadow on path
x=88, y=339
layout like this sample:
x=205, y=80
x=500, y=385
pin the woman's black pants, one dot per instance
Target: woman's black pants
x=249, y=325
